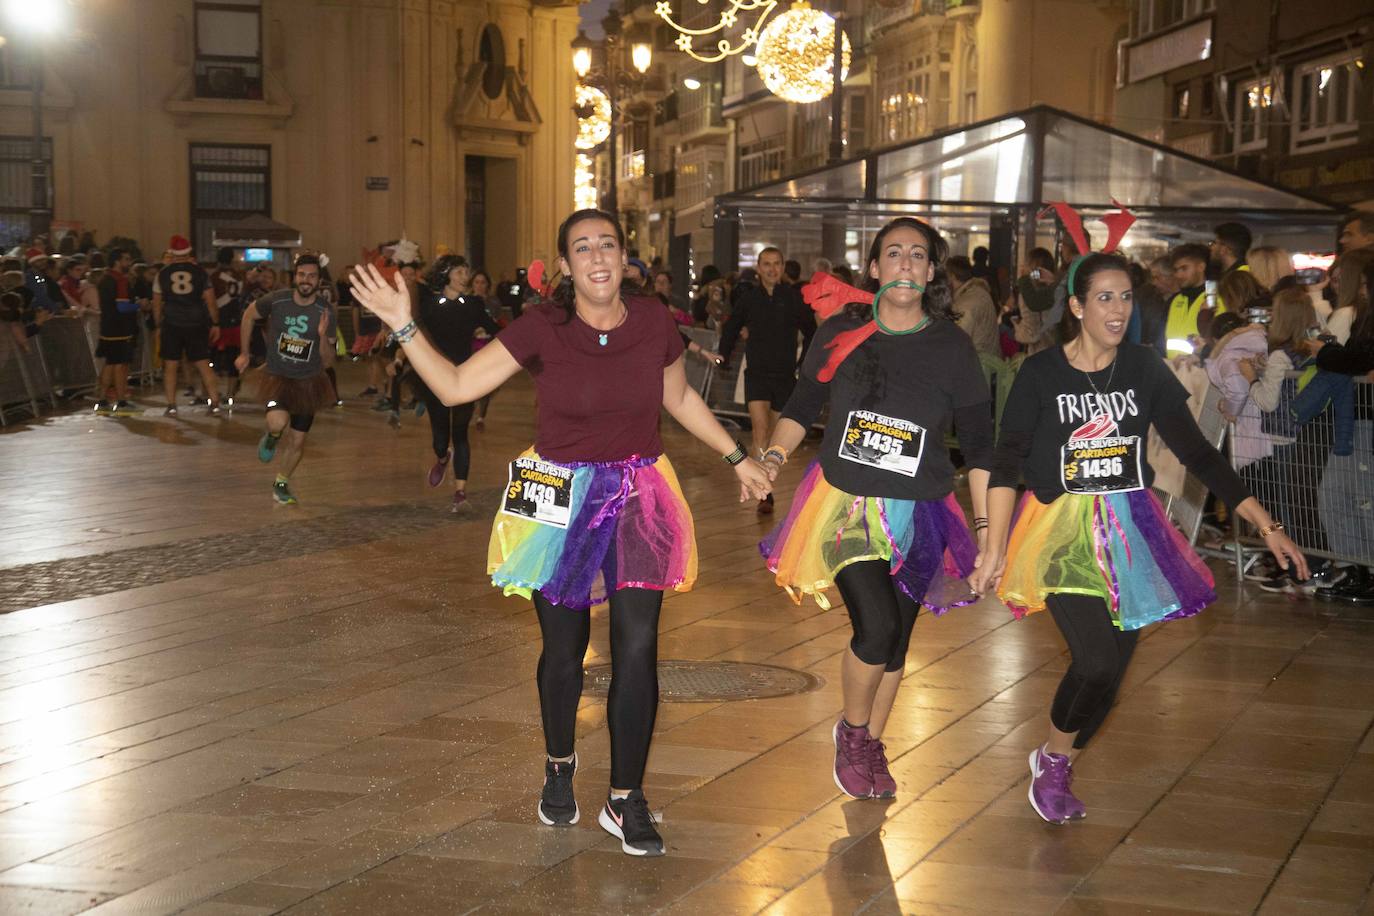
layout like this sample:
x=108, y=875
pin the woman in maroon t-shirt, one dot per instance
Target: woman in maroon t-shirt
x=593, y=512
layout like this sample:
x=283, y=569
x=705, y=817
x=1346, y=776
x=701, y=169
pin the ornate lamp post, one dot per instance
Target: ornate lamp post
x=613, y=78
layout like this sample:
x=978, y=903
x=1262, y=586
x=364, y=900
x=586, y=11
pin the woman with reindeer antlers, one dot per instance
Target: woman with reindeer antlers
x=1091, y=543
x=876, y=517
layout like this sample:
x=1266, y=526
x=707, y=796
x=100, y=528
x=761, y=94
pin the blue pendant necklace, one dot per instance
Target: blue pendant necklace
x=603, y=337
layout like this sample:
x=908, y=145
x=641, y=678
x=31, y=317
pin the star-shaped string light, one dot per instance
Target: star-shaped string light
x=755, y=12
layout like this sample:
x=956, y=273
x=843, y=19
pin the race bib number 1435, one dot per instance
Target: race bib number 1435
x=539, y=491
x=885, y=443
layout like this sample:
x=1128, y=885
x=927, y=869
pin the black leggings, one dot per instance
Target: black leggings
x=446, y=424
x=1100, y=654
x=881, y=615
x=633, y=701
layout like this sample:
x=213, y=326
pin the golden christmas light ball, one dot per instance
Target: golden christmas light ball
x=595, y=126
x=796, y=54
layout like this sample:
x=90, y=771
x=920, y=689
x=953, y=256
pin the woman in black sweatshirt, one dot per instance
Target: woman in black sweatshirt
x=449, y=315
x=1091, y=543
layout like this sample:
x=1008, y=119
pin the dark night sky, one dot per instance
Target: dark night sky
x=592, y=13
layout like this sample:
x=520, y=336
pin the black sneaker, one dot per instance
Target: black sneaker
x=1354, y=582
x=1324, y=574
x=1363, y=596
x=104, y=407
x=629, y=820
x=368, y=392
x=170, y=412
x=557, y=806
x=1278, y=583
x=1263, y=570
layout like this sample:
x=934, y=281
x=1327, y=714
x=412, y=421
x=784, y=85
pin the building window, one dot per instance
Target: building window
x=903, y=98
x=1324, y=102
x=229, y=49
x=1181, y=96
x=1157, y=15
x=227, y=183
x=1253, y=100
x=1209, y=98
x=16, y=67
x=761, y=161
x=16, y=186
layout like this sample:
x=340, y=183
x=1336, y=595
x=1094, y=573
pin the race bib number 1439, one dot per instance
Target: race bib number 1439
x=539, y=491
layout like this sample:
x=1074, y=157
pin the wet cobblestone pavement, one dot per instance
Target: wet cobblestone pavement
x=37, y=584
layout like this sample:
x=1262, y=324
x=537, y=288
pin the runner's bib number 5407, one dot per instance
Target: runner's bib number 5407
x=539, y=491
x=1109, y=465
x=885, y=443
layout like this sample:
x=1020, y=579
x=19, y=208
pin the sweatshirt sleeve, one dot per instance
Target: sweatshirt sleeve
x=1265, y=392
x=1018, y=429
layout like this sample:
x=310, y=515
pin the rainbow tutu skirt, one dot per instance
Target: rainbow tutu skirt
x=1120, y=547
x=629, y=528
x=926, y=543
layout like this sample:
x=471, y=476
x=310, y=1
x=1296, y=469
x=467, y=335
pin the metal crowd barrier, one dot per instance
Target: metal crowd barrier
x=66, y=354
x=1183, y=495
x=23, y=383
x=1311, y=462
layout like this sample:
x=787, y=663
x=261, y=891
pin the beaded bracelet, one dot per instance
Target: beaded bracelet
x=736, y=456
x=406, y=333
x=778, y=451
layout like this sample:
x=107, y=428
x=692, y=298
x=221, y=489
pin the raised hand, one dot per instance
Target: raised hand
x=388, y=301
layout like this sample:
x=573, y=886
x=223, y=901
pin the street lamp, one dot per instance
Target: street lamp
x=36, y=24
x=614, y=78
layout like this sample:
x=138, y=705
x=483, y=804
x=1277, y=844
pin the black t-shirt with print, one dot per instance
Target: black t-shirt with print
x=183, y=285
x=1068, y=431
x=892, y=401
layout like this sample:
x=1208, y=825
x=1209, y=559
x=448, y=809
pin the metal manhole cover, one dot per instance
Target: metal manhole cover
x=696, y=682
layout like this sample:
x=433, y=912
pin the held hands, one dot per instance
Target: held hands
x=987, y=571
x=987, y=567
x=754, y=480
x=388, y=301
x=1247, y=369
x=214, y=334
x=241, y=362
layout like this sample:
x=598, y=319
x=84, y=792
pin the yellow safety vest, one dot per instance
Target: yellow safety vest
x=1183, y=322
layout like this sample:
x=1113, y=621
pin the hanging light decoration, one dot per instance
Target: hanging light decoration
x=796, y=54
x=593, y=109
x=585, y=195
x=750, y=13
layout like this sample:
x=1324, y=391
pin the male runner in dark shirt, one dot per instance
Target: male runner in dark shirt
x=187, y=314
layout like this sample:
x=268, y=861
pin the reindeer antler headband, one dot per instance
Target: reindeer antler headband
x=1117, y=223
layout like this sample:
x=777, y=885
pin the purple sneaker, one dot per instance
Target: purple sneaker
x=853, y=772
x=884, y=786
x=1051, y=776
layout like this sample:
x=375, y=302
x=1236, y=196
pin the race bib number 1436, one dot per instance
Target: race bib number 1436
x=539, y=491
x=1107, y=465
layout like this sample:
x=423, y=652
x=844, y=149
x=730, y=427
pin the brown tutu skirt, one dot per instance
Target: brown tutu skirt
x=297, y=396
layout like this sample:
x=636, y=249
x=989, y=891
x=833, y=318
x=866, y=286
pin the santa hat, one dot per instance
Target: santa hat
x=179, y=246
x=34, y=255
